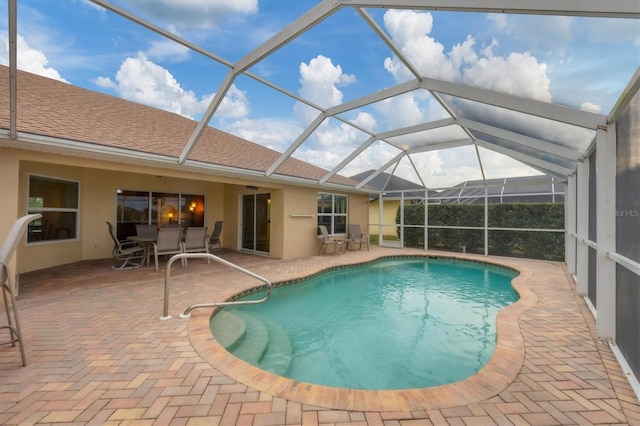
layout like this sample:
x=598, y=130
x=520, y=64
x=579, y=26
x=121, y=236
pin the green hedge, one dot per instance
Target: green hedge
x=534, y=245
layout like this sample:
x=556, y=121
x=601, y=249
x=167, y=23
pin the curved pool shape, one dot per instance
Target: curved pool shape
x=390, y=324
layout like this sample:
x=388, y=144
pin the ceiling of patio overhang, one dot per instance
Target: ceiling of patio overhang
x=549, y=138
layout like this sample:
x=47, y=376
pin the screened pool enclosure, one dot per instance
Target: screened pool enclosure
x=589, y=159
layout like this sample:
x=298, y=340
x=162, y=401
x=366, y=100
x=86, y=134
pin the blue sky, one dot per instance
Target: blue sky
x=579, y=62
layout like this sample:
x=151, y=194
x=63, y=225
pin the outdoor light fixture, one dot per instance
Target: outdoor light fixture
x=254, y=188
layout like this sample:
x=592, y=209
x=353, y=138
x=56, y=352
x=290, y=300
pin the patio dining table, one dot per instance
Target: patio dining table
x=147, y=242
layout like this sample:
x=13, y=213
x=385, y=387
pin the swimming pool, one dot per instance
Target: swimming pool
x=337, y=329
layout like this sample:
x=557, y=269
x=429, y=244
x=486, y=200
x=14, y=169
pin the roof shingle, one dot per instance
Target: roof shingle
x=59, y=110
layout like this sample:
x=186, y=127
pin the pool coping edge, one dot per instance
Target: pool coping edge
x=502, y=368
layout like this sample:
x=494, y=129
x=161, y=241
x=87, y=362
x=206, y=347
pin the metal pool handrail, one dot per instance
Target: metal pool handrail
x=187, y=312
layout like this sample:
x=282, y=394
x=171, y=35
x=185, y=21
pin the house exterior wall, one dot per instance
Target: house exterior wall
x=359, y=211
x=9, y=166
x=99, y=179
x=299, y=222
x=390, y=209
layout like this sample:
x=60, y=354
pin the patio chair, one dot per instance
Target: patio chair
x=214, y=240
x=357, y=237
x=169, y=242
x=6, y=280
x=128, y=252
x=195, y=241
x=327, y=240
x=146, y=231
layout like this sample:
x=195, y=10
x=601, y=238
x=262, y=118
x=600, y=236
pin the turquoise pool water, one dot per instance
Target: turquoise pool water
x=391, y=324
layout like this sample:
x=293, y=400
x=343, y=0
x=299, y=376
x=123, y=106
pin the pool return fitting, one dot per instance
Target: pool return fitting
x=187, y=313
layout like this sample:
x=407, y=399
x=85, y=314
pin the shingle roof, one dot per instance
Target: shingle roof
x=392, y=185
x=383, y=182
x=59, y=110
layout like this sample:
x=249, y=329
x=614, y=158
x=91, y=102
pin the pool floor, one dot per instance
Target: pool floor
x=97, y=353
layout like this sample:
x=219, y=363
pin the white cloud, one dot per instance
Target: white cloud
x=402, y=111
x=410, y=31
x=375, y=156
x=366, y=121
x=462, y=53
x=28, y=59
x=499, y=20
x=105, y=82
x=234, y=105
x=330, y=145
x=319, y=81
x=273, y=133
x=591, y=107
x=518, y=74
x=497, y=165
x=429, y=164
x=195, y=14
x=143, y=81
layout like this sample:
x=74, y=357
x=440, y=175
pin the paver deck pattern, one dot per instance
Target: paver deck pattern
x=97, y=353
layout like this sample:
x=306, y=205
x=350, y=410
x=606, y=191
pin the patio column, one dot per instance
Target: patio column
x=380, y=218
x=570, y=224
x=582, y=227
x=426, y=219
x=402, y=219
x=606, y=233
x=486, y=219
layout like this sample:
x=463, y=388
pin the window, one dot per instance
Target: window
x=159, y=208
x=57, y=201
x=332, y=212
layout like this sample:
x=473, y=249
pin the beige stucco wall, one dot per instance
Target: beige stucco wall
x=97, y=205
x=300, y=222
x=9, y=166
x=389, y=211
x=290, y=236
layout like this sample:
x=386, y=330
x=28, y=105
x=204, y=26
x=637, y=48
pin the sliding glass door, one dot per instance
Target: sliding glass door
x=256, y=218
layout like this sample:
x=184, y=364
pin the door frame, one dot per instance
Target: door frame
x=241, y=224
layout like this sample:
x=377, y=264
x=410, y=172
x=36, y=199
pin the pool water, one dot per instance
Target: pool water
x=390, y=324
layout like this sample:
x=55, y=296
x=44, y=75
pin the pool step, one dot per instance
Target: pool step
x=228, y=328
x=254, y=339
x=254, y=342
x=279, y=353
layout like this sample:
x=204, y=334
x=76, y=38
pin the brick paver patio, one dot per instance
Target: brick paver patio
x=97, y=353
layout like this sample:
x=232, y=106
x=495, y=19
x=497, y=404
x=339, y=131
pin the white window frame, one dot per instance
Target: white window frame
x=331, y=227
